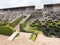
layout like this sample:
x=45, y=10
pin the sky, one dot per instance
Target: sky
x=17, y=3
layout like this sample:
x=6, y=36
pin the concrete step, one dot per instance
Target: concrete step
x=13, y=36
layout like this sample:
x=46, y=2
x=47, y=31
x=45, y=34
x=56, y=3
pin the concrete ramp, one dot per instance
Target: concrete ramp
x=13, y=36
x=17, y=32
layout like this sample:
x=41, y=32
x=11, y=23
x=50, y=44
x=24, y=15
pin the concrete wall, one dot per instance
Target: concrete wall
x=10, y=14
x=48, y=7
x=56, y=7
x=52, y=7
x=37, y=14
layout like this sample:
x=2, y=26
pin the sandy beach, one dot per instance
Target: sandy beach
x=23, y=39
